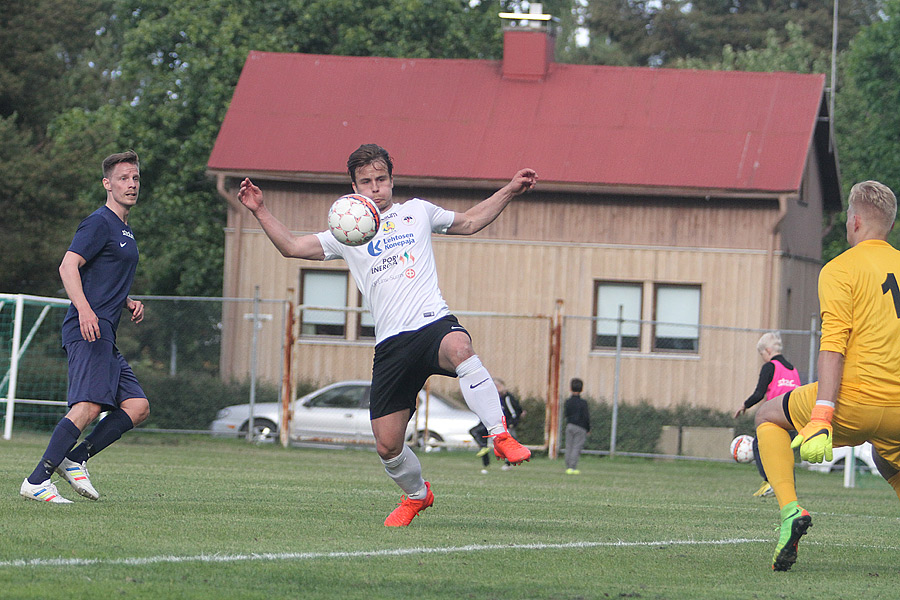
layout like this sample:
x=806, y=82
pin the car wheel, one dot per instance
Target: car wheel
x=264, y=430
x=431, y=444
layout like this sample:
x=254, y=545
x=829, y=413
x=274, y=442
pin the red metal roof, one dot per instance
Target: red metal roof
x=461, y=119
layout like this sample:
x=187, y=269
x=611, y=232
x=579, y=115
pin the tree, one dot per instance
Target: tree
x=48, y=64
x=795, y=53
x=158, y=79
x=184, y=60
x=659, y=33
x=868, y=124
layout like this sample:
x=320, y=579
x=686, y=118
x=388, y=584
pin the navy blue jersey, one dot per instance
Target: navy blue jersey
x=107, y=245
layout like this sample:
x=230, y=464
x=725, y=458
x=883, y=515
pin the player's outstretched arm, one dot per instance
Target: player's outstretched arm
x=290, y=245
x=483, y=214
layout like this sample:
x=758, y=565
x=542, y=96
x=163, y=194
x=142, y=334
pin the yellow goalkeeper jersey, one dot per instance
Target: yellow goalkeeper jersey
x=860, y=302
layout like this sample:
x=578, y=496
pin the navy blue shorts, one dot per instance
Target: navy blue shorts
x=404, y=362
x=98, y=373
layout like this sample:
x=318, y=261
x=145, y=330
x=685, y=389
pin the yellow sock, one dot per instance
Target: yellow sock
x=895, y=483
x=778, y=461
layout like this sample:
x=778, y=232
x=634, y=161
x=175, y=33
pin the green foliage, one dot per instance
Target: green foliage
x=795, y=53
x=641, y=33
x=639, y=425
x=191, y=400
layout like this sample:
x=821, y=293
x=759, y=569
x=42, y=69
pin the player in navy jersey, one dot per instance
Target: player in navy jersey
x=97, y=272
x=415, y=334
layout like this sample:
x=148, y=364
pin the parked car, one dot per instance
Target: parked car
x=862, y=455
x=340, y=413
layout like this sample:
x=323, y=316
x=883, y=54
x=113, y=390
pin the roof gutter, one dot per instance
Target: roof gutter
x=493, y=184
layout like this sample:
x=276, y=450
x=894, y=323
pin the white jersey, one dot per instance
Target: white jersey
x=395, y=271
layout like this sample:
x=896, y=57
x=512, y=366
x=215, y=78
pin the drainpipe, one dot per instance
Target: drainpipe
x=238, y=209
x=770, y=299
x=231, y=285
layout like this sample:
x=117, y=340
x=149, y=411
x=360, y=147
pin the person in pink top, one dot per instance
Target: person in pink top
x=776, y=377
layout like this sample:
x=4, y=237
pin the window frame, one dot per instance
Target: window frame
x=340, y=330
x=655, y=337
x=633, y=343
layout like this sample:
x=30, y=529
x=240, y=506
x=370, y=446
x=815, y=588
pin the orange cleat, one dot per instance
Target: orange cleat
x=507, y=448
x=408, y=509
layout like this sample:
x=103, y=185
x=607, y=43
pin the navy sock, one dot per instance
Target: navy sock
x=758, y=461
x=108, y=430
x=64, y=436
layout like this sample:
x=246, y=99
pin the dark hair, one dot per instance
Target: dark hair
x=577, y=385
x=366, y=155
x=109, y=163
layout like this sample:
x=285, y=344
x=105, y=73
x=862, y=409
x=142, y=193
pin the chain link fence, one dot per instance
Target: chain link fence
x=195, y=355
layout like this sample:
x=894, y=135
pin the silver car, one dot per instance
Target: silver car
x=340, y=413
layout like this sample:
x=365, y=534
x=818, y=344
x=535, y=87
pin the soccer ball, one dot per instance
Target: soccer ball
x=742, y=448
x=353, y=219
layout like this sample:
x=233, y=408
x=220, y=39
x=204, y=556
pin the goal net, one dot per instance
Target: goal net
x=33, y=368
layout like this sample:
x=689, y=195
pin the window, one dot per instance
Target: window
x=609, y=296
x=677, y=326
x=366, y=328
x=323, y=288
x=344, y=396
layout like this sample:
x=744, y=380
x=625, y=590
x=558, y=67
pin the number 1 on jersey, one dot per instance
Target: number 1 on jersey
x=890, y=285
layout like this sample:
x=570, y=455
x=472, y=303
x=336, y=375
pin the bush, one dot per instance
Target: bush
x=191, y=400
x=639, y=424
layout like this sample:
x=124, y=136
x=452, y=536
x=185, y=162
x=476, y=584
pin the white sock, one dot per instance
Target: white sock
x=406, y=471
x=480, y=393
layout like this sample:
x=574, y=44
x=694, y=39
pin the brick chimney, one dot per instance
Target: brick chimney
x=529, y=44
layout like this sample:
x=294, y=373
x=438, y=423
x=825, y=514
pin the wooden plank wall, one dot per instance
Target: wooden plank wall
x=543, y=249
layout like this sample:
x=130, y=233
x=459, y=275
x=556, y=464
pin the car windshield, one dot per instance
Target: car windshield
x=345, y=396
x=451, y=402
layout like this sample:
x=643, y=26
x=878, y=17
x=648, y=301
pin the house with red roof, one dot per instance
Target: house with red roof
x=694, y=200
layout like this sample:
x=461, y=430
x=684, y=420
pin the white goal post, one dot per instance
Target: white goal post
x=13, y=316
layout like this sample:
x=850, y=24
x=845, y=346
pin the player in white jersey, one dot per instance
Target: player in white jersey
x=415, y=334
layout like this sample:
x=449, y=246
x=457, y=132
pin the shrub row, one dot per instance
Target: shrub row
x=639, y=425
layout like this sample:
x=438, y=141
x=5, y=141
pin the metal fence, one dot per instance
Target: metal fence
x=194, y=355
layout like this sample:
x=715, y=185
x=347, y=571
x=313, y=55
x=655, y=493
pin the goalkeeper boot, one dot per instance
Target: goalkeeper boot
x=408, y=509
x=78, y=477
x=764, y=490
x=794, y=523
x=42, y=492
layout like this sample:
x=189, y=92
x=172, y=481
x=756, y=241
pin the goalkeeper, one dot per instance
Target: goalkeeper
x=857, y=396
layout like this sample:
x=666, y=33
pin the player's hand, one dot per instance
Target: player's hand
x=814, y=439
x=739, y=412
x=250, y=195
x=137, y=310
x=524, y=181
x=89, y=325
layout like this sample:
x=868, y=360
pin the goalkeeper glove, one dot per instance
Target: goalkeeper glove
x=814, y=439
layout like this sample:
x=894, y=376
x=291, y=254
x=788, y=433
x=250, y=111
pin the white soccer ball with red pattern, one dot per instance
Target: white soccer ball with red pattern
x=742, y=448
x=354, y=219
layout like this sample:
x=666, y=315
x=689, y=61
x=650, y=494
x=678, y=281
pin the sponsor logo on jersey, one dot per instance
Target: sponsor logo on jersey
x=127, y=233
x=388, y=226
x=783, y=382
x=405, y=260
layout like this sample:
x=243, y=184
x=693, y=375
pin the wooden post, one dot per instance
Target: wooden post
x=287, y=378
x=551, y=419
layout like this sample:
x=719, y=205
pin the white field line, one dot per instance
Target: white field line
x=265, y=556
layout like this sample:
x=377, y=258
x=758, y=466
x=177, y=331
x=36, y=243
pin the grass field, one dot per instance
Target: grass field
x=196, y=518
